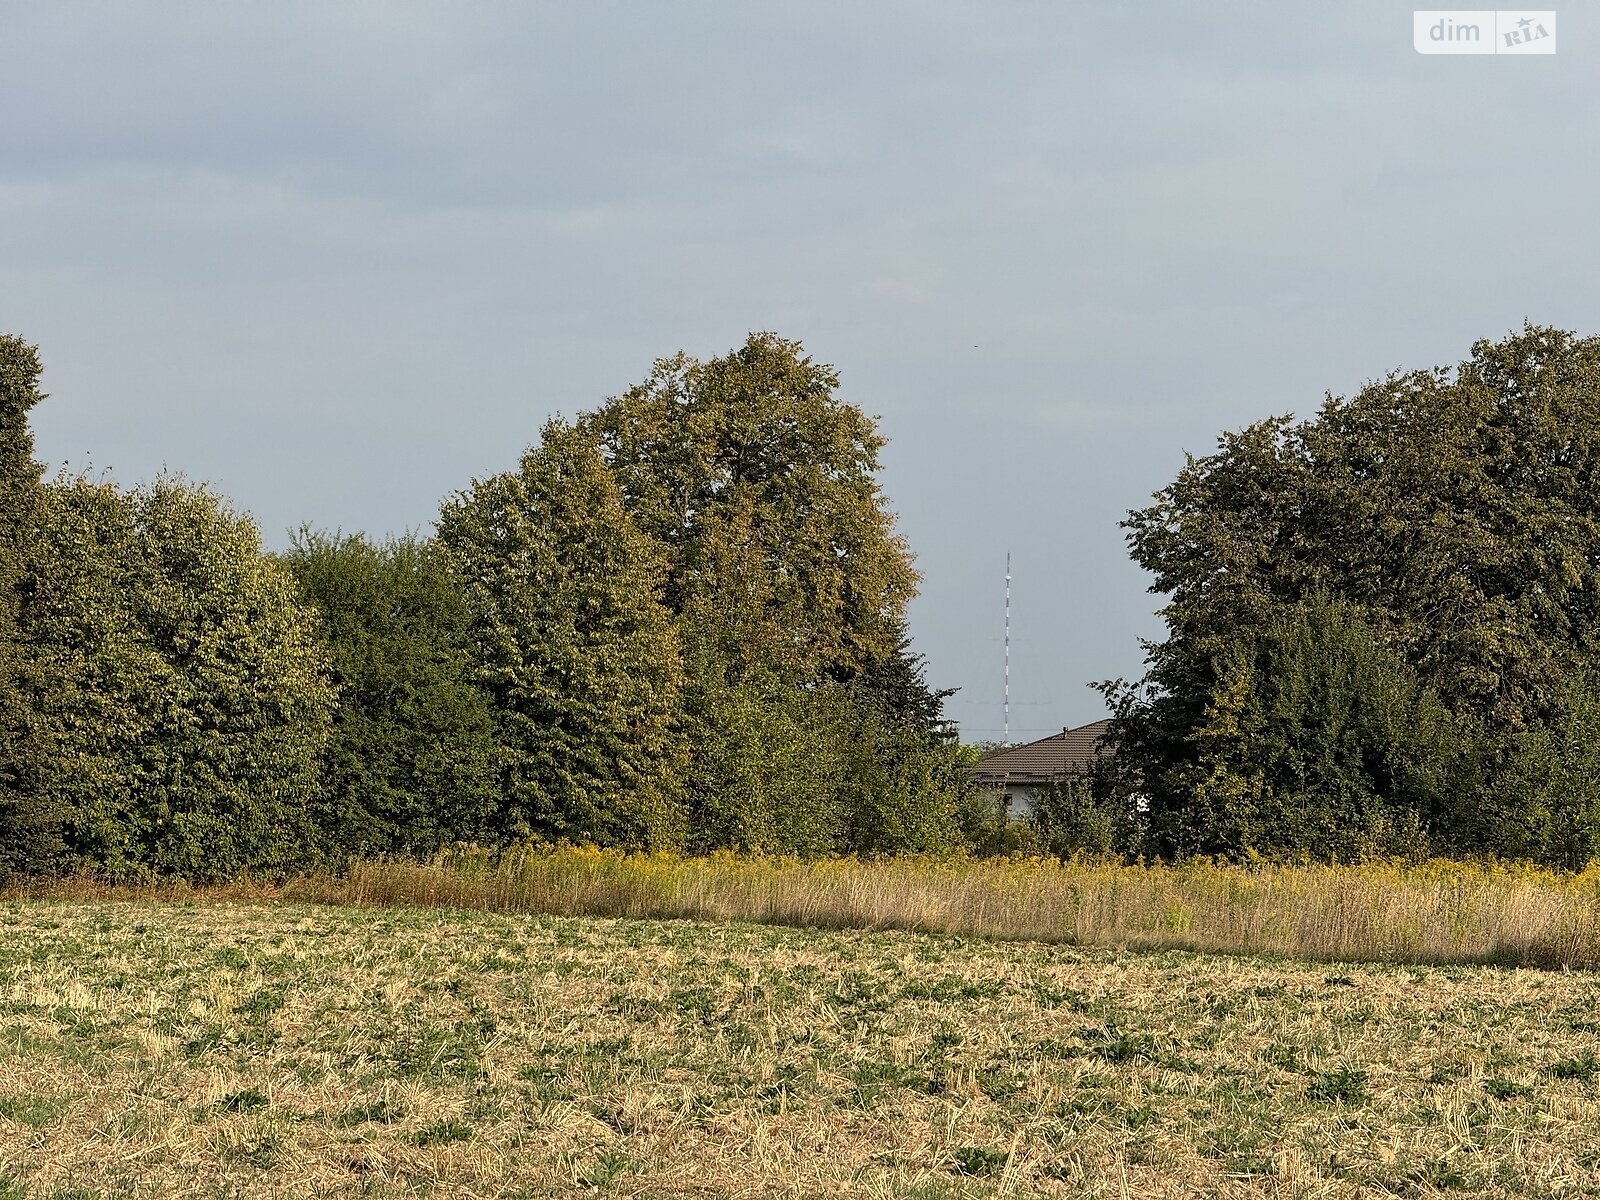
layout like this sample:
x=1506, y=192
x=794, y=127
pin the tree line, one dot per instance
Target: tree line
x=678, y=623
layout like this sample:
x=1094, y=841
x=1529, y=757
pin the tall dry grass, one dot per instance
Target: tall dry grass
x=1435, y=913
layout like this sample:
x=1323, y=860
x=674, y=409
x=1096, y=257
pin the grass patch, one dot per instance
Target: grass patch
x=378, y=1112
x=979, y=1160
x=442, y=1133
x=33, y=1111
x=1583, y=1067
x=1342, y=1085
x=244, y=1101
x=1437, y=913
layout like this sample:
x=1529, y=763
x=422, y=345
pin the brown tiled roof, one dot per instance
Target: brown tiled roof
x=1064, y=753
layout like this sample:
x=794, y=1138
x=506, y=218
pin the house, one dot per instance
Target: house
x=1019, y=773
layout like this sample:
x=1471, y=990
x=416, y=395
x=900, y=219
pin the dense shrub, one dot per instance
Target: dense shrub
x=182, y=688
x=1318, y=741
x=1547, y=807
x=1070, y=817
x=906, y=787
x=817, y=770
x=767, y=771
x=413, y=763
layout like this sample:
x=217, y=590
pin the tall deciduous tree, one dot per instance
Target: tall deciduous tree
x=752, y=458
x=183, y=688
x=29, y=828
x=1456, y=510
x=788, y=585
x=574, y=646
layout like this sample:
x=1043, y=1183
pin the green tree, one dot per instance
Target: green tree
x=413, y=763
x=769, y=768
x=788, y=585
x=752, y=461
x=898, y=683
x=1456, y=510
x=905, y=787
x=182, y=684
x=1068, y=818
x=816, y=770
x=753, y=491
x=29, y=828
x=574, y=647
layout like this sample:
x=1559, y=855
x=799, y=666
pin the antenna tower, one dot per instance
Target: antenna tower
x=1005, y=735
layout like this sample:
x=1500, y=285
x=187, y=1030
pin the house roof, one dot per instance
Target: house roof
x=1064, y=753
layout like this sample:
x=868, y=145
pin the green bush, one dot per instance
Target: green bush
x=1318, y=740
x=1546, y=804
x=766, y=770
x=905, y=787
x=817, y=770
x=1069, y=818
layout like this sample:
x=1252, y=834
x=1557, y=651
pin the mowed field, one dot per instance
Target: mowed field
x=217, y=1049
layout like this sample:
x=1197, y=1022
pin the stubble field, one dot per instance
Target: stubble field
x=298, y=1050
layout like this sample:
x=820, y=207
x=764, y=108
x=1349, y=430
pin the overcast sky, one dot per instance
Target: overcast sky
x=339, y=259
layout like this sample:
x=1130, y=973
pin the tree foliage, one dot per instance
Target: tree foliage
x=29, y=827
x=413, y=763
x=679, y=622
x=1318, y=741
x=750, y=472
x=181, y=685
x=574, y=647
x=787, y=584
x=1547, y=803
x=816, y=770
x=1454, y=515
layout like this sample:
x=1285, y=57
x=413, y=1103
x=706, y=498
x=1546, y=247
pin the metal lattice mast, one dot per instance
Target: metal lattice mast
x=1005, y=735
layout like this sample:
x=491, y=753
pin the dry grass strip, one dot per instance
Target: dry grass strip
x=1438, y=913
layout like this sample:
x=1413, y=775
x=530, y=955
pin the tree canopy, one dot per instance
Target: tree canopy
x=414, y=761
x=29, y=827
x=755, y=478
x=1451, y=515
x=574, y=646
x=787, y=583
x=181, y=685
x=679, y=622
